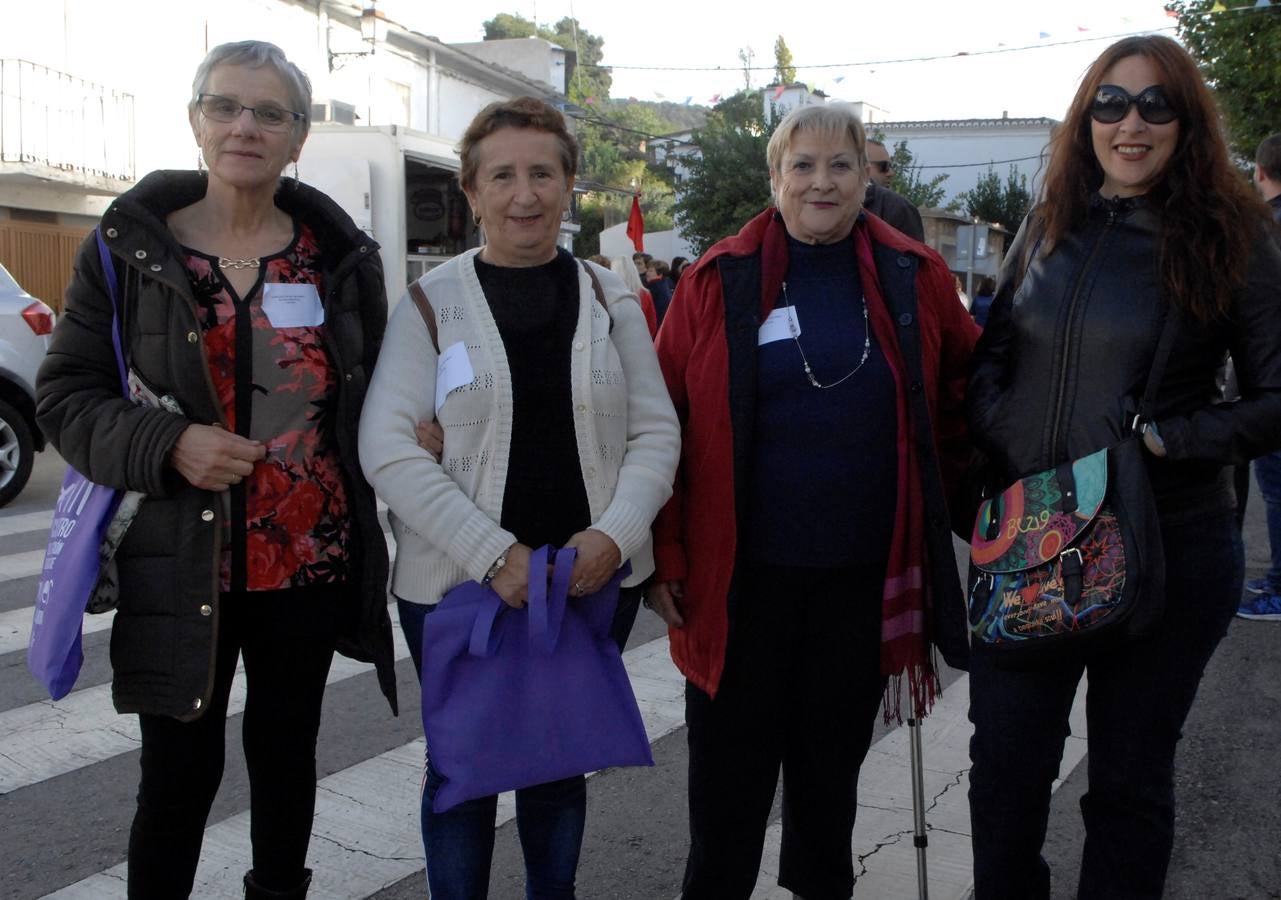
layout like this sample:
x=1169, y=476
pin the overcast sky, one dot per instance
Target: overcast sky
x=840, y=36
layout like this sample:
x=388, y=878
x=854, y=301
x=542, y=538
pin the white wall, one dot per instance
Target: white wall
x=958, y=149
x=664, y=245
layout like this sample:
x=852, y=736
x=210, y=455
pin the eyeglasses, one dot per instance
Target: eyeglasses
x=884, y=166
x=269, y=116
x=1112, y=104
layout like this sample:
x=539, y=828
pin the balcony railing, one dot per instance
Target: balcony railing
x=52, y=120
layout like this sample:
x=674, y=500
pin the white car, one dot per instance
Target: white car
x=25, y=325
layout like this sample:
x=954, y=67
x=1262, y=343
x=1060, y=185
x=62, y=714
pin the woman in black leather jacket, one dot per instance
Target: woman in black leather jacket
x=1144, y=217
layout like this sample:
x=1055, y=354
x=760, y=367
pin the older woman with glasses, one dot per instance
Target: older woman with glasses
x=253, y=309
x=817, y=360
x=1146, y=225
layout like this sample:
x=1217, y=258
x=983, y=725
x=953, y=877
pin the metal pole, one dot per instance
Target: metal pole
x=920, y=838
x=969, y=269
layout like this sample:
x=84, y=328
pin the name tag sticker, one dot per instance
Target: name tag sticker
x=781, y=325
x=292, y=305
x=453, y=370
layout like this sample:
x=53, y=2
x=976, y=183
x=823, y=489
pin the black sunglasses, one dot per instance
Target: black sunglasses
x=884, y=166
x=1112, y=104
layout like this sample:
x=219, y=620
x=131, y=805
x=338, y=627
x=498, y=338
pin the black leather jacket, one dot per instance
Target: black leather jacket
x=1067, y=350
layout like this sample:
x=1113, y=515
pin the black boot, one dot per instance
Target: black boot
x=255, y=891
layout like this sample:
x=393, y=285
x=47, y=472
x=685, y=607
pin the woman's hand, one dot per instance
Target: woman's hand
x=597, y=561
x=512, y=581
x=431, y=437
x=664, y=598
x=212, y=458
x=1152, y=440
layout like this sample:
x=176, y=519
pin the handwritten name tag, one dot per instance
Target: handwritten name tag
x=292, y=305
x=453, y=370
x=781, y=325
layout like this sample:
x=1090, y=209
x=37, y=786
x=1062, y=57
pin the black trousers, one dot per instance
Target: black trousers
x=801, y=688
x=1140, y=693
x=287, y=638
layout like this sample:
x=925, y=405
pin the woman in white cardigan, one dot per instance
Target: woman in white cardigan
x=557, y=429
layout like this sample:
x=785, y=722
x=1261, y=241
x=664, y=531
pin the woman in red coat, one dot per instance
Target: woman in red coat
x=817, y=360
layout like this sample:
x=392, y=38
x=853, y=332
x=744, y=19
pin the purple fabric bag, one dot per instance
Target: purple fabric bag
x=518, y=697
x=72, y=560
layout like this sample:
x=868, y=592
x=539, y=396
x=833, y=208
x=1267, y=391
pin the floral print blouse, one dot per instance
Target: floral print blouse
x=288, y=524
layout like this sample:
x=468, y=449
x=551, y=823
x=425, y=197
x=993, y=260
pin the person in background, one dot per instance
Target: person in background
x=1263, y=595
x=882, y=201
x=623, y=268
x=983, y=300
x=557, y=429
x=806, y=557
x=658, y=285
x=257, y=304
x=679, y=263
x=960, y=291
x=1145, y=217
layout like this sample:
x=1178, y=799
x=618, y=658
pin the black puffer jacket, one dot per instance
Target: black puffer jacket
x=1066, y=354
x=164, y=636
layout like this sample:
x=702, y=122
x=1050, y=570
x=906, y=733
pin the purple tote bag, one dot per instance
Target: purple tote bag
x=518, y=697
x=72, y=560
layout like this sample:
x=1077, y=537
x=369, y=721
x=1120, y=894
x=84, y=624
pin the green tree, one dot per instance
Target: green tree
x=729, y=182
x=1003, y=204
x=784, y=70
x=909, y=181
x=590, y=79
x=1239, y=51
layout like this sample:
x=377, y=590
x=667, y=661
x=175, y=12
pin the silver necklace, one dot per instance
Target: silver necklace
x=809, y=373
x=225, y=263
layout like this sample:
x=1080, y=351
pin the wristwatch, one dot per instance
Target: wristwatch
x=496, y=567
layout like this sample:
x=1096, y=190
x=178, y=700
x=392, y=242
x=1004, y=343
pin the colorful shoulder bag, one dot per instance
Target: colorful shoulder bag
x=1066, y=556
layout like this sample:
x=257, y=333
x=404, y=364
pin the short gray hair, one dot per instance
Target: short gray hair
x=828, y=119
x=256, y=54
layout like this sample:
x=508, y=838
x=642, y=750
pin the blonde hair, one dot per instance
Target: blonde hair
x=828, y=120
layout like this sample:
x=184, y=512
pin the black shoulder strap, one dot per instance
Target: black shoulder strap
x=599, y=292
x=1164, y=345
x=419, y=296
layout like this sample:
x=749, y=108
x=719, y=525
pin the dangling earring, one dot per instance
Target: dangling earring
x=564, y=214
x=200, y=160
x=295, y=175
x=475, y=218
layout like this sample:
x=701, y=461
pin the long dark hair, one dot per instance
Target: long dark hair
x=1208, y=212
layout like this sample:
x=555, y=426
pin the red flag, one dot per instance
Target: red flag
x=636, y=226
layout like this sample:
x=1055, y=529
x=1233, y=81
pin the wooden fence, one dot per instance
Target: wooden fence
x=40, y=257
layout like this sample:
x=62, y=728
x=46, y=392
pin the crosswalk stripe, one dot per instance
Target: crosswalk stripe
x=49, y=738
x=366, y=833
x=15, y=628
x=15, y=625
x=28, y=563
x=21, y=523
x=21, y=565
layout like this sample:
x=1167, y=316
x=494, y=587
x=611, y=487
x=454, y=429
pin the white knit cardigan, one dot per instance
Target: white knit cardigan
x=445, y=515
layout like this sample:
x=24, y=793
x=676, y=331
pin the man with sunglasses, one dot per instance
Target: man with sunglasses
x=883, y=202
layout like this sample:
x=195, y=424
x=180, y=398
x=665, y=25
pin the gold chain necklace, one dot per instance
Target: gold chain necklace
x=225, y=263
x=809, y=373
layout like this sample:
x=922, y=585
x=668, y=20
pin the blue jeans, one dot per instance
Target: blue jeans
x=459, y=843
x=1267, y=471
x=1140, y=692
